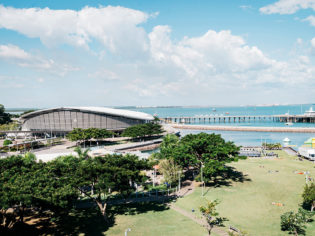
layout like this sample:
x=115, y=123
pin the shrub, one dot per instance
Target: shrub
x=7, y=142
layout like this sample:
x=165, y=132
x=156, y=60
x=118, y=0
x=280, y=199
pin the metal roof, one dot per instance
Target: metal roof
x=102, y=110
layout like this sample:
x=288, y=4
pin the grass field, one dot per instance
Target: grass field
x=245, y=201
x=248, y=204
x=156, y=223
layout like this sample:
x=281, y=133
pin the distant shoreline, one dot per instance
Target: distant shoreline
x=250, y=129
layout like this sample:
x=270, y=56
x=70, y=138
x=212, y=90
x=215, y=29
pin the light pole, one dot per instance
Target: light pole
x=126, y=231
x=179, y=172
x=154, y=173
x=202, y=179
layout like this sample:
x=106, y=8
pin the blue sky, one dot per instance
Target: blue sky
x=115, y=53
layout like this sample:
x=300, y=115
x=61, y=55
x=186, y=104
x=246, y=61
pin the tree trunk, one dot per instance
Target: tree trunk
x=21, y=214
x=209, y=230
x=313, y=206
x=102, y=207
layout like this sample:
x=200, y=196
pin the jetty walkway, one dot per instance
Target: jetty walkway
x=246, y=128
x=306, y=118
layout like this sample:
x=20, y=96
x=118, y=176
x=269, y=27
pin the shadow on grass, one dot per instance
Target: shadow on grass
x=81, y=221
x=227, y=177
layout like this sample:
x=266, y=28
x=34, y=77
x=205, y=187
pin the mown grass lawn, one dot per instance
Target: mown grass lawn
x=167, y=222
x=248, y=204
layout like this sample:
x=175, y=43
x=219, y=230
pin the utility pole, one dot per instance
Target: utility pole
x=179, y=172
x=202, y=180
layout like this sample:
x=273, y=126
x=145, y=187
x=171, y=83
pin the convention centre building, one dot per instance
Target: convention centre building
x=64, y=119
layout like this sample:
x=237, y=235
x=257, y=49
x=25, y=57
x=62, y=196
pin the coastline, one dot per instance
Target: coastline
x=244, y=128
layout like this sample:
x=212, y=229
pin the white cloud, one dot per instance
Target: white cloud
x=22, y=58
x=213, y=53
x=246, y=7
x=13, y=52
x=310, y=19
x=299, y=41
x=104, y=74
x=115, y=27
x=287, y=6
x=40, y=80
x=215, y=62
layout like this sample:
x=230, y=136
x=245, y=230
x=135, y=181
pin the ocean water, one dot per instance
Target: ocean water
x=241, y=137
x=164, y=112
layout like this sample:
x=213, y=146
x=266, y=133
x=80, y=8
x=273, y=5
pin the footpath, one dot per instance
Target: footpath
x=189, y=189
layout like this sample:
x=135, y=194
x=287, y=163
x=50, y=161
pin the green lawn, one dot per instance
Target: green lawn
x=167, y=222
x=248, y=204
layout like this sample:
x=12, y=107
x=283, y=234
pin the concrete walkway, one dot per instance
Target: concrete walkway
x=189, y=189
x=199, y=221
x=124, y=146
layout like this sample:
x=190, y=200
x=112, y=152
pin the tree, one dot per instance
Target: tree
x=142, y=130
x=5, y=118
x=210, y=214
x=108, y=174
x=207, y=151
x=7, y=142
x=26, y=183
x=295, y=222
x=84, y=154
x=79, y=134
x=309, y=196
x=170, y=171
x=170, y=141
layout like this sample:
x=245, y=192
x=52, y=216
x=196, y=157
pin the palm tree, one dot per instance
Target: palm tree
x=82, y=154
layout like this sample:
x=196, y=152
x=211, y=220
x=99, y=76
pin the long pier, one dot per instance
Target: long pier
x=219, y=119
x=239, y=119
x=245, y=128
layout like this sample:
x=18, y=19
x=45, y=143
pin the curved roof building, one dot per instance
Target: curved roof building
x=65, y=119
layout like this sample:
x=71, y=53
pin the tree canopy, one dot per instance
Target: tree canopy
x=142, y=130
x=57, y=185
x=309, y=196
x=79, y=134
x=5, y=118
x=208, y=151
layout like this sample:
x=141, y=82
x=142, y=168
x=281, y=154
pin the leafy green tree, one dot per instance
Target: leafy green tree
x=7, y=142
x=5, y=118
x=295, y=222
x=309, y=196
x=207, y=151
x=26, y=183
x=210, y=214
x=84, y=154
x=170, y=171
x=170, y=141
x=79, y=134
x=142, y=130
x=97, y=178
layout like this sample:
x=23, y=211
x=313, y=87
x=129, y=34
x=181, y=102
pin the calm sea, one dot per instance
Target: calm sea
x=241, y=138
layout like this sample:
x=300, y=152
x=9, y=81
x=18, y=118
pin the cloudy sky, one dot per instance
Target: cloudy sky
x=140, y=52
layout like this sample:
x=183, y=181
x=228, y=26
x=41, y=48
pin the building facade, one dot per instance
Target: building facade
x=65, y=119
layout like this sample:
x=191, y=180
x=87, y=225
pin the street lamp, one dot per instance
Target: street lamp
x=202, y=180
x=126, y=231
x=179, y=172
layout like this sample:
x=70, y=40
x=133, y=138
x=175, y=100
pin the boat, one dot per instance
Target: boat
x=289, y=123
x=227, y=113
x=310, y=112
x=286, y=140
x=214, y=110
